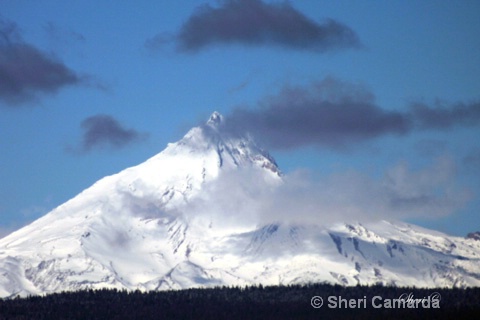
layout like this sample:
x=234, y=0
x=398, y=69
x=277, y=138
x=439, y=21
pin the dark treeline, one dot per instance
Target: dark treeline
x=255, y=302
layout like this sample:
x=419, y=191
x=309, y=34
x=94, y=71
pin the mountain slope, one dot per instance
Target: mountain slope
x=172, y=222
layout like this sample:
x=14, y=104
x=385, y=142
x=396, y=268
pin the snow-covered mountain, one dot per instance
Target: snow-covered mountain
x=168, y=223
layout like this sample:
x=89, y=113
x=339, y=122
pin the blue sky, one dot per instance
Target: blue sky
x=386, y=91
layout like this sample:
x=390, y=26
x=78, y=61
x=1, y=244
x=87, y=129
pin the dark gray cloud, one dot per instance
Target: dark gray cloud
x=25, y=71
x=326, y=113
x=441, y=116
x=103, y=130
x=254, y=22
x=335, y=114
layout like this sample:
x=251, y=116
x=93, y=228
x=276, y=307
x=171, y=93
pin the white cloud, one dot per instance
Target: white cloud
x=244, y=199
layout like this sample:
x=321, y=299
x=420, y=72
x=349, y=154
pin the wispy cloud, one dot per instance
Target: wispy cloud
x=442, y=116
x=400, y=193
x=335, y=114
x=257, y=23
x=349, y=196
x=104, y=131
x=26, y=72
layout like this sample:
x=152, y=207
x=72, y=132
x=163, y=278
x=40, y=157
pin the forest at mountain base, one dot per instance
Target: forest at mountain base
x=251, y=302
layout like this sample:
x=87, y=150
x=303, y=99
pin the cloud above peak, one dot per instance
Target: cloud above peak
x=26, y=71
x=257, y=23
x=328, y=113
x=338, y=115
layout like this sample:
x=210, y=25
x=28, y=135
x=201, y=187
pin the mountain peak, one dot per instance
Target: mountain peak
x=215, y=119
